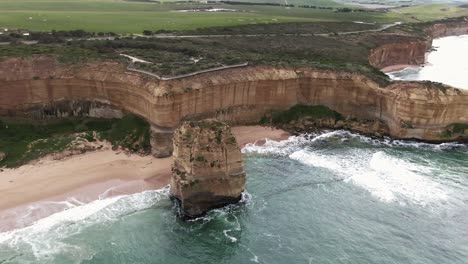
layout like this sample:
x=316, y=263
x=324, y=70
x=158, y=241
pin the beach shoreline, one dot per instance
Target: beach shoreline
x=397, y=67
x=91, y=176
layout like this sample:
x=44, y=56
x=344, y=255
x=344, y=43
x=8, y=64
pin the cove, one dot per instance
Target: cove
x=447, y=64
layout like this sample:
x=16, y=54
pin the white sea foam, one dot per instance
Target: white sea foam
x=390, y=178
x=283, y=147
x=45, y=237
x=231, y=238
x=294, y=143
x=387, y=177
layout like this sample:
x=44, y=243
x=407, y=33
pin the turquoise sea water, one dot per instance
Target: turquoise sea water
x=336, y=197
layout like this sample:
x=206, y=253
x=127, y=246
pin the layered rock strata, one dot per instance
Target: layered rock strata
x=440, y=30
x=413, y=51
x=161, y=142
x=208, y=170
x=236, y=96
x=404, y=53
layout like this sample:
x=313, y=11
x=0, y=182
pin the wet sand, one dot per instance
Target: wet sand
x=398, y=67
x=46, y=186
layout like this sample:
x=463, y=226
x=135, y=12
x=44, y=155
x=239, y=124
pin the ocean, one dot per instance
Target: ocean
x=334, y=197
x=446, y=64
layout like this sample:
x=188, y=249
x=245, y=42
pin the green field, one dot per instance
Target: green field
x=430, y=12
x=134, y=17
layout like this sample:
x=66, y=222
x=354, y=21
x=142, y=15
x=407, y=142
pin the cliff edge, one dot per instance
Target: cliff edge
x=238, y=96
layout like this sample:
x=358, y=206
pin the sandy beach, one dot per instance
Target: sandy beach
x=394, y=68
x=46, y=186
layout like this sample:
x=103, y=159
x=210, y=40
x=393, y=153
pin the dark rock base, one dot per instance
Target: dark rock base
x=200, y=204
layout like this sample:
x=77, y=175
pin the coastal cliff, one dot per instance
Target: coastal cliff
x=404, y=53
x=412, y=51
x=440, y=30
x=237, y=96
x=208, y=170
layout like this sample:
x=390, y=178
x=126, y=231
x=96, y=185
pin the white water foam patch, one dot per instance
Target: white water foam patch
x=388, y=178
x=282, y=148
x=45, y=237
x=295, y=143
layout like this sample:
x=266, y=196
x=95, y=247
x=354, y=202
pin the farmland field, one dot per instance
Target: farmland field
x=134, y=17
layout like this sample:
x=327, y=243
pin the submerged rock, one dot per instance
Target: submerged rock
x=2, y=156
x=208, y=169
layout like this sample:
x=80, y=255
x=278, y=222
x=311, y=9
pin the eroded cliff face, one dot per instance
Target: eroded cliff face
x=208, y=170
x=448, y=29
x=412, y=52
x=236, y=96
x=404, y=53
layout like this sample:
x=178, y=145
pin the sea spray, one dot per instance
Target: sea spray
x=370, y=165
x=44, y=239
x=313, y=197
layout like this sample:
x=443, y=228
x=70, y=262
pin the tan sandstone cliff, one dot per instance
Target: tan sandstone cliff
x=236, y=96
x=440, y=30
x=412, y=51
x=404, y=53
x=208, y=170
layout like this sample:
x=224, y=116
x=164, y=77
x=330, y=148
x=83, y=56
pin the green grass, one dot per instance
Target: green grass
x=26, y=140
x=64, y=54
x=121, y=17
x=134, y=17
x=459, y=127
x=131, y=132
x=132, y=22
x=299, y=111
x=430, y=12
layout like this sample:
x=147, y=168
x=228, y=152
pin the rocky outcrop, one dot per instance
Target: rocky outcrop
x=404, y=53
x=440, y=30
x=412, y=51
x=208, y=169
x=367, y=127
x=161, y=142
x=76, y=108
x=236, y=96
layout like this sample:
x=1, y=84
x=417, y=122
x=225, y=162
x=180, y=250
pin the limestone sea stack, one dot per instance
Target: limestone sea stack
x=208, y=170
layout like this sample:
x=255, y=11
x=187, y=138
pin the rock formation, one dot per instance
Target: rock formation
x=208, y=169
x=236, y=96
x=417, y=110
x=161, y=142
x=454, y=28
x=404, y=53
x=412, y=51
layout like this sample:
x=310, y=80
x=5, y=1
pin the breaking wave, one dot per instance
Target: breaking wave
x=369, y=163
x=45, y=239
